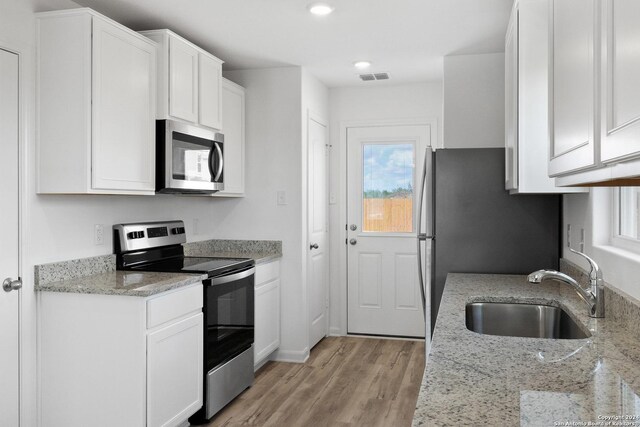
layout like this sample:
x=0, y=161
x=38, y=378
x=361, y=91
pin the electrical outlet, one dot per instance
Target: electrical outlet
x=333, y=199
x=282, y=197
x=98, y=234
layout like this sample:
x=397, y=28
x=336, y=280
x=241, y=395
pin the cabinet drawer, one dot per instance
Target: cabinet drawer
x=168, y=307
x=267, y=272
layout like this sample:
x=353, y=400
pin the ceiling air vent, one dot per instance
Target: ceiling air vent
x=376, y=76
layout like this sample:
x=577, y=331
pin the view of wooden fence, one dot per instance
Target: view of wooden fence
x=388, y=215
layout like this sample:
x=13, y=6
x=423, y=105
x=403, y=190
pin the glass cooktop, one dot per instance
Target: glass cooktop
x=211, y=266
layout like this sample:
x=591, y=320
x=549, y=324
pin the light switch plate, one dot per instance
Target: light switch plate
x=281, y=197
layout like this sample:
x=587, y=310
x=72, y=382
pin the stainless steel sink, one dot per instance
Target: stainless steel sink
x=522, y=320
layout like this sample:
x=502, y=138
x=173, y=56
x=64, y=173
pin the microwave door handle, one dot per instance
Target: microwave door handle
x=220, y=163
x=210, y=165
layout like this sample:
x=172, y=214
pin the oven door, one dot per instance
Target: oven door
x=193, y=159
x=228, y=316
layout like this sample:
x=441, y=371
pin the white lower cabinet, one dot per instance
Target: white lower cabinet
x=267, y=311
x=183, y=380
x=110, y=360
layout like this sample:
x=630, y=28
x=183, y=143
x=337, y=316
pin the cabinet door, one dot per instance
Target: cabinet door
x=233, y=122
x=123, y=110
x=174, y=372
x=210, y=92
x=620, y=120
x=183, y=80
x=511, y=103
x=267, y=319
x=572, y=86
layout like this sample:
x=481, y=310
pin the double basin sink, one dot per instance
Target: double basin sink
x=522, y=320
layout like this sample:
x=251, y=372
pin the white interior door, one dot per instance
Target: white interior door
x=318, y=254
x=383, y=167
x=9, y=259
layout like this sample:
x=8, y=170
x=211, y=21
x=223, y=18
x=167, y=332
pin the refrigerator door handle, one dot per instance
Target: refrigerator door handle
x=423, y=236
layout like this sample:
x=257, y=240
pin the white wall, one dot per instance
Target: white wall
x=474, y=101
x=277, y=102
x=368, y=104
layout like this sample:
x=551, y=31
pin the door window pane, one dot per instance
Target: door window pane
x=629, y=212
x=387, y=182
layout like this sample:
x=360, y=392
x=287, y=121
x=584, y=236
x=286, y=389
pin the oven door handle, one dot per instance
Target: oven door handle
x=232, y=277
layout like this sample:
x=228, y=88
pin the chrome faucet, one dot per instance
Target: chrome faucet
x=594, y=297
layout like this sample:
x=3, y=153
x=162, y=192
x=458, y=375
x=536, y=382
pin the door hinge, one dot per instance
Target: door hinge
x=346, y=241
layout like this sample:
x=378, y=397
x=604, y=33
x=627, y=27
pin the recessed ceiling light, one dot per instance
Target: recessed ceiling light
x=320, y=9
x=361, y=65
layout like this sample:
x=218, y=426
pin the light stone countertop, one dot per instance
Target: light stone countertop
x=128, y=283
x=474, y=379
x=98, y=275
x=261, y=251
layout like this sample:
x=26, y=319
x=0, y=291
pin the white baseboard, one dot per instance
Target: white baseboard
x=291, y=356
x=384, y=337
x=335, y=331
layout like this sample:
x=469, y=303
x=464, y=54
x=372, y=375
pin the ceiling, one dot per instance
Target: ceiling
x=406, y=38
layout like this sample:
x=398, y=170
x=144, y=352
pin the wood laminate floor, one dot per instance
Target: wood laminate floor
x=347, y=381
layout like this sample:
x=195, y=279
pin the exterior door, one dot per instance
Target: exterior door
x=383, y=167
x=318, y=254
x=9, y=244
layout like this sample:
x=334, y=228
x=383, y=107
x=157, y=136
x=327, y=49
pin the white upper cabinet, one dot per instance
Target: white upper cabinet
x=96, y=106
x=620, y=111
x=233, y=108
x=527, y=100
x=210, y=92
x=189, y=81
x=511, y=102
x=183, y=80
x=573, y=86
x=596, y=126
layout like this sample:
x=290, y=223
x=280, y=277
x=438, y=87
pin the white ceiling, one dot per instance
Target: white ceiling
x=406, y=38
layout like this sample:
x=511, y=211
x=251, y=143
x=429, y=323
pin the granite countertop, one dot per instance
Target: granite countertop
x=98, y=275
x=260, y=251
x=135, y=284
x=474, y=379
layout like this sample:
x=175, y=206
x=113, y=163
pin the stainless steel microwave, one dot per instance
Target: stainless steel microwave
x=189, y=159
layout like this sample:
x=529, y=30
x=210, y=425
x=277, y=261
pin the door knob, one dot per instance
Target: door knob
x=11, y=285
x=353, y=241
x=353, y=227
x=314, y=246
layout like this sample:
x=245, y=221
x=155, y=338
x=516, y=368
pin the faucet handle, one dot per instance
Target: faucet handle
x=595, y=272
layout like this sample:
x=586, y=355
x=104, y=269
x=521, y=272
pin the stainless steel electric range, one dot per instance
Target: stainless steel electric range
x=228, y=304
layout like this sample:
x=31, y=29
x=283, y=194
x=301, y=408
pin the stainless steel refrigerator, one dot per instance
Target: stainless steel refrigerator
x=473, y=225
